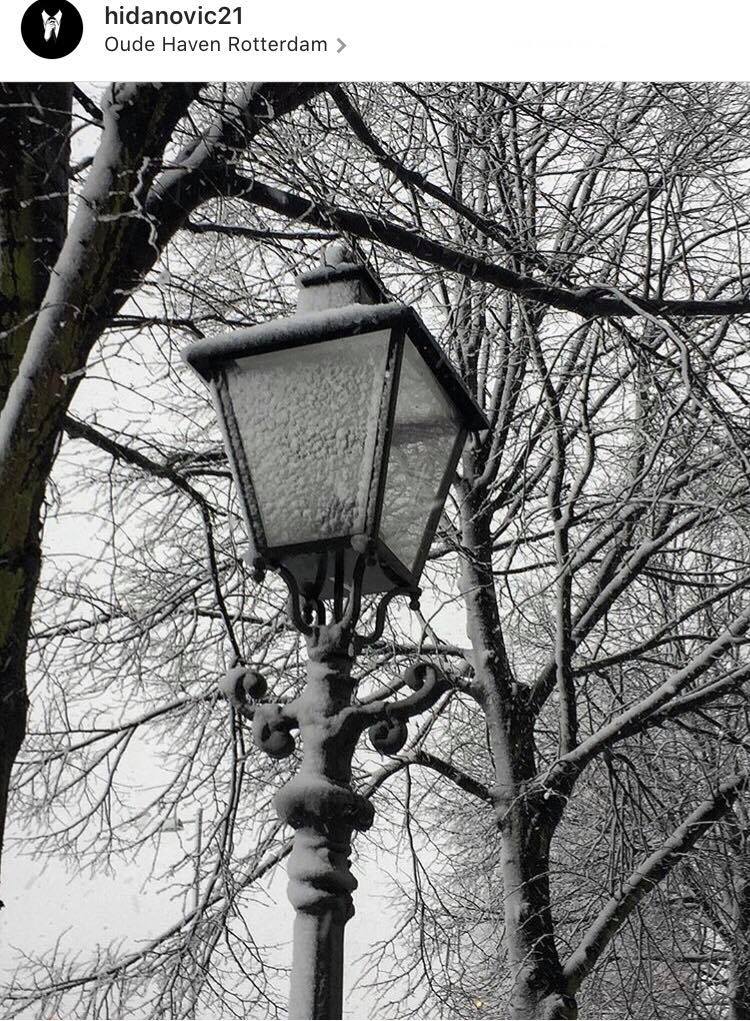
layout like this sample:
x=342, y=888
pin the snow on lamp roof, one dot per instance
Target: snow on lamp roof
x=206, y=356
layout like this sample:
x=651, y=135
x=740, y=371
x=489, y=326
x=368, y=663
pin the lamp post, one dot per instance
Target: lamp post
x=343, y=425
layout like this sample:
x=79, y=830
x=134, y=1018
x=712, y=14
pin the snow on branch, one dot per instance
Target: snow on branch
x=638, y=716
x=138, y=119
x=651, y=872
x=595, y=301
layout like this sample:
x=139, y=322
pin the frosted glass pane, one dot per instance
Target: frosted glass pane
x=308, y=420
x=424, y=433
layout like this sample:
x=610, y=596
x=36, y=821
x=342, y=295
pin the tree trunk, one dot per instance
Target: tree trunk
x=538, y=985
x=738, y=983
x=33, y=223
x=19, y=573
x=526, y=815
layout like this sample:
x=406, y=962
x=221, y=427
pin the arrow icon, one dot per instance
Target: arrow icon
x=342, y=44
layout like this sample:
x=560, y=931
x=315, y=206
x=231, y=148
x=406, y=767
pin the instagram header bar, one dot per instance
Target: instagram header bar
x=51, y=40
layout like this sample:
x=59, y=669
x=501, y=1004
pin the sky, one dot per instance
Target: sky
x=45, y=902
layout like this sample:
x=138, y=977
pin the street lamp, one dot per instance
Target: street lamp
x=343, y=425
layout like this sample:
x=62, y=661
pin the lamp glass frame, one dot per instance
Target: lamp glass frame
x=211, y=358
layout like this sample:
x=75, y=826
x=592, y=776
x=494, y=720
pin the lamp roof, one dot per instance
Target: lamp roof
x=208, y=355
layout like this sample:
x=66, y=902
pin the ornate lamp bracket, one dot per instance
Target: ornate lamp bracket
x=319, y=802
x=307, y=610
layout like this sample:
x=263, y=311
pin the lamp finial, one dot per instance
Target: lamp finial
x=337, y=253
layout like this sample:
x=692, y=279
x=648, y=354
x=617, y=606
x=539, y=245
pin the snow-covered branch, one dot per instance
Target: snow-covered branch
x=641, y=882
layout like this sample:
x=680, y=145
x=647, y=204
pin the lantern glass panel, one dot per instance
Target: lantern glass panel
x=425, y=430
x=308, y=419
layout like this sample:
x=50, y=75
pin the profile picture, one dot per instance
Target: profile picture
x=51, y=28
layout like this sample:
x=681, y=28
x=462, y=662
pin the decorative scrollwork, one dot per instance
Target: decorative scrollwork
x=255, y=684
x=272, y=731
x=428, y=682
x=241, y=683
x=361, y=641
x=388, y=736
x=306, y=609
x=422, y=675
x=387, y=720
x=299, y=607
x=259, y=567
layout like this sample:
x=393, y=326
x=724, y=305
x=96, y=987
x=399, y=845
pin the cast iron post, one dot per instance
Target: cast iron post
x=321, y=807
x=319, y=803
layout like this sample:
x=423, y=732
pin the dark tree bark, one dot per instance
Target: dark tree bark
x=526, y=815
x=35, y=126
